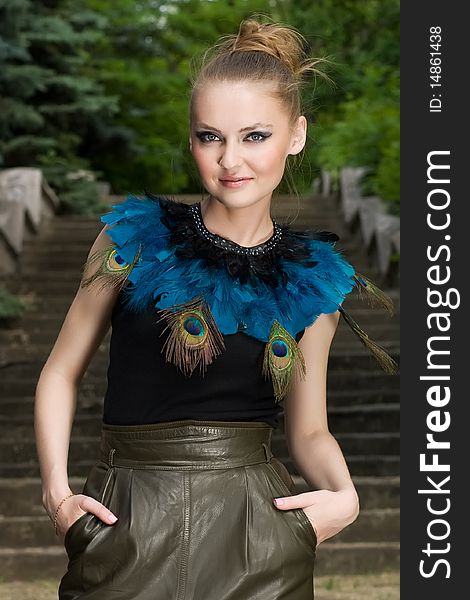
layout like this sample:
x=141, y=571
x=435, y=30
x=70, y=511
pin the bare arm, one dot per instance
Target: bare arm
x=84, y=327
x=323, y=465
x=313, y=449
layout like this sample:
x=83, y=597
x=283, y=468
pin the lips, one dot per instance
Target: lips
x=235, y=179
x=235, y=184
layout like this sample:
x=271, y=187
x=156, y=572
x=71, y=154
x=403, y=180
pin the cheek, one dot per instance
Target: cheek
x=202, y=161
x=271, y=162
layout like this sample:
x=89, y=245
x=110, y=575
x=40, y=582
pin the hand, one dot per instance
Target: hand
x=329, y=512
x=76, y=506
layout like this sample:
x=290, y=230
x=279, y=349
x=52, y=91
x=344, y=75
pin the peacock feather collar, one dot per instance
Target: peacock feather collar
x=205, y=286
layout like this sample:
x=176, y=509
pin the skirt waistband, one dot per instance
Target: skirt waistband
x=186, y=444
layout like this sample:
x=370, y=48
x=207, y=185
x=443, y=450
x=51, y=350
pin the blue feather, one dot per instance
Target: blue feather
x=167, y=280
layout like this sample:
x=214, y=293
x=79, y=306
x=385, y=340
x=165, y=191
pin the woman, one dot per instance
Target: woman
x=218, y=313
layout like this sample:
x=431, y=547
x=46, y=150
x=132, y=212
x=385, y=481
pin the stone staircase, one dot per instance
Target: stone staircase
x=363, y=404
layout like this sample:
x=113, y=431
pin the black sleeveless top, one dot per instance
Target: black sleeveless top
x=144, y=388
x=234, y=313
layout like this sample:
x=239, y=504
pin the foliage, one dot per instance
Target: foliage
x=48, y=102
x=11, y=306
x=104, y=84
x=366, y=133
x=357, y=123
x=80, y=194
x=386, y=181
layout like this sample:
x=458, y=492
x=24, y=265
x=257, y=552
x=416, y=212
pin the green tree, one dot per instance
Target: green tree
x=20, y=121
x=357, y=121
x=47, y=102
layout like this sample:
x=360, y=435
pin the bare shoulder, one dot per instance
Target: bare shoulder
x=96, y=296
x=321, y=332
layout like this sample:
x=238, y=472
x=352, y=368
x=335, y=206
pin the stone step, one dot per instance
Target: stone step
x=342, y=355
x=29, y=531
x=43, y=328
x=70, y=240
x=359, y=465
x=21, y=379
x=22, y=496
x=378, y=328
x=87, y=421
x=37, y=333
x=343, y=405
x=332, y=558
x=50, y=320
x=288, y=212
x=67, y=245
x=373, y=492
x=385, y=443
x=17, y=446
x=364, y=418
x=381, y=404
x=356, y=558
x=31, y=268
x=375, y=525
x=75, y=241
x=61, y=291
x=57, y=291
x=53, y=310
x=281, y=209
x=293, y=210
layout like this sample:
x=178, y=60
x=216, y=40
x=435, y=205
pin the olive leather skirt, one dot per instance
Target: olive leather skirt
x=196, y=520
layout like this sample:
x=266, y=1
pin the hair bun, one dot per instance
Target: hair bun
x=280, y=41
x=248, y=27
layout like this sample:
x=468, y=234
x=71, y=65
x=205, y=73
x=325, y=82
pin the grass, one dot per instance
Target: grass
x=381, y=586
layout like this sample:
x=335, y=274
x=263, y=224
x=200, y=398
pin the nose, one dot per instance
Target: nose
x=230, y=158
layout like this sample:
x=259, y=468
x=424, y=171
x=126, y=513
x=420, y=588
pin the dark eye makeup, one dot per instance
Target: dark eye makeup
x=202, y=135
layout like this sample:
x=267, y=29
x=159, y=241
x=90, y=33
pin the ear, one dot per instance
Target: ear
x=299, y=136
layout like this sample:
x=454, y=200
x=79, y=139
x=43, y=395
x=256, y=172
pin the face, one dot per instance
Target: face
x=238, y=131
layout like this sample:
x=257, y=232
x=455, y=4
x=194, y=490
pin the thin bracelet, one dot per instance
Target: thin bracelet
x=57, y=511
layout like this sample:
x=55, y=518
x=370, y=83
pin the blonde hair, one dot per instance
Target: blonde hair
x=260, y=52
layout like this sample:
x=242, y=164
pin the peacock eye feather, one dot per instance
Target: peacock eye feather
x=194, y=338
x=112, y=269
x=115, y=262
x=281, y=354
x=283, y=360
x=194, y=329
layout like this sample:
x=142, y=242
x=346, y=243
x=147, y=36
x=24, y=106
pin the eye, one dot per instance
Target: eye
x=263, y=136
x=202, y=135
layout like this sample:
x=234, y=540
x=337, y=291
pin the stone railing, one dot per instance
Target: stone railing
x=379, y=230
x=26, y=203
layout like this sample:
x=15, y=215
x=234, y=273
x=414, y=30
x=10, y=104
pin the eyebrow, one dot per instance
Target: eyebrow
x=255, y=126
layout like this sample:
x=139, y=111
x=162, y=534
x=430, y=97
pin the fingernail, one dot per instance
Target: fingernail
x=112, y=518
x=278, y=501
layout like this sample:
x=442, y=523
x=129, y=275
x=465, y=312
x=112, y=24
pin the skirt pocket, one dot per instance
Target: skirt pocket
x=99, y=485
x=282, y=476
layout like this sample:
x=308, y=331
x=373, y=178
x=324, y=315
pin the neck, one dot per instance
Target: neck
x=247, y=225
